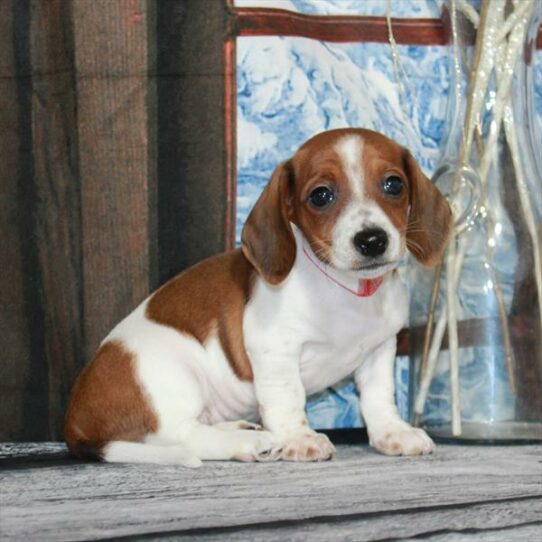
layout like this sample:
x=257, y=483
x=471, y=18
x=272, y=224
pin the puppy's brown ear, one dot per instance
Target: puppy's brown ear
x=267, y=239
x=430, y=219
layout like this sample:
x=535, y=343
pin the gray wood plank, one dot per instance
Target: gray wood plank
x=86, y=501
x=515, y=534
x=500, y=520
x=31, y=449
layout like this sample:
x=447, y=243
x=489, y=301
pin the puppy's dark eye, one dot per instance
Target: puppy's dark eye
x=321, y=197
x=392, y=186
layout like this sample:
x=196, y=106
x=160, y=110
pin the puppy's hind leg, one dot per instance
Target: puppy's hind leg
x=179, y=402
x=214, y=443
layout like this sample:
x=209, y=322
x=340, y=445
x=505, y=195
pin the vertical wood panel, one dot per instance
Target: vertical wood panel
x=57, y=205
x=117, y=176
x=191, y=150
x=16, y=395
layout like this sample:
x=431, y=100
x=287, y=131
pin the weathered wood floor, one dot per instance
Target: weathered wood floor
x=472, y=493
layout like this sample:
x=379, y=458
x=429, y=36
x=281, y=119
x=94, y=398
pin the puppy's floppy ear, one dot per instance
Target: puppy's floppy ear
x=430, y=219
x=267, y=239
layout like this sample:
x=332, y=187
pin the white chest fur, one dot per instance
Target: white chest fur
x=326, y=329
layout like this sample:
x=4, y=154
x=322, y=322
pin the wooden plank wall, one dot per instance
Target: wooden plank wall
x=117, y=173
x=83, y=238
x=191, y=148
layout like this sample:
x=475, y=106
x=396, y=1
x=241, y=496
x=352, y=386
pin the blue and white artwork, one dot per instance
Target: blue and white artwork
x=292, y=88
x=289, y=89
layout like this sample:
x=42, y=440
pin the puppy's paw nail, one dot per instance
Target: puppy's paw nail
x=272, y=454
x=257, y=446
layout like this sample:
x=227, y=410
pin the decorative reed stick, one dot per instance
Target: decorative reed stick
x=427, y=334
x=517, y=37
x=497, y=289
x=436, y=342
x=453, y=343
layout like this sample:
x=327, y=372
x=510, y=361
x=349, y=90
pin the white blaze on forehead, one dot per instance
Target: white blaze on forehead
x=360, y=213
x=349, y=149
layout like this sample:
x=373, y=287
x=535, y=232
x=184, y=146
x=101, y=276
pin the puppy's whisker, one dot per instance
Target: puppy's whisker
x=413, y=244
x=409, y=230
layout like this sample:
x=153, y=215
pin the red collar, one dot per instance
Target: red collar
x=365, y=287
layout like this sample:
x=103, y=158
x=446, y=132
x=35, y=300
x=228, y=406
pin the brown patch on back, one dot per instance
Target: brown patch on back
x=210, y=296
x=107, y=404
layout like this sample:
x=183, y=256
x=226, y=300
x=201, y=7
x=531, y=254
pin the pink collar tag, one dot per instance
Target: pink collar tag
x=365, y=287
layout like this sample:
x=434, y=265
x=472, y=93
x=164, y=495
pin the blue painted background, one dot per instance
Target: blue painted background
x=292, y=88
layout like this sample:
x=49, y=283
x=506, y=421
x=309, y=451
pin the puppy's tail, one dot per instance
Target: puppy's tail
x=121, y=451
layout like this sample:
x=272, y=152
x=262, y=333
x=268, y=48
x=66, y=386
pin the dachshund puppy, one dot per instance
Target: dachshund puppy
x=242, y=338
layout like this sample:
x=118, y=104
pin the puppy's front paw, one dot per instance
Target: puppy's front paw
x=401, y=439
x=308, y=447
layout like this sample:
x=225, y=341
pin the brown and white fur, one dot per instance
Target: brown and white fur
x=244, y=337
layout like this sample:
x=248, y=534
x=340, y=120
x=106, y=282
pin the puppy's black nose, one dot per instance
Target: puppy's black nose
x=372, y=242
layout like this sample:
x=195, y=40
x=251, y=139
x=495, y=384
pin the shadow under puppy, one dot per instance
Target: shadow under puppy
x=242, y=338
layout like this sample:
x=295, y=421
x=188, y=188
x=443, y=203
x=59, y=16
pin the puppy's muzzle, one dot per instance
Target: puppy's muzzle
x=371, y=242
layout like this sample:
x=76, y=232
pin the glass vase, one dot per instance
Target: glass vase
x=476, y=333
